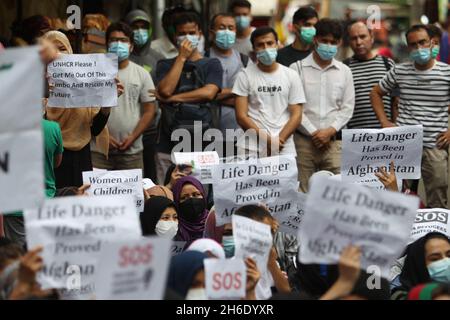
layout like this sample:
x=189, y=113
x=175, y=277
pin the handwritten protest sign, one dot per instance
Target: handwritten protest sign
x=252, y=239
x=289, y=222
x=72, y=231
x=225, y=279
x=430, y=220
x=116, y=183
x=83, y=80
x=201, y=163
x=338, y=214
x=365, y=151
x=133, y=270
x=21, y=144
x=269, y=181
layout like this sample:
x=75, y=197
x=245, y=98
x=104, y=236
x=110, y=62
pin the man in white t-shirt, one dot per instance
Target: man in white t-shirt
x=269, y=98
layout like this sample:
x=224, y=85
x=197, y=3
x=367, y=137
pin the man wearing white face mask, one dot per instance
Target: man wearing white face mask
x=269, y=98
x=223, y=33
x=330, y=97
x=187, y=85
x=242, y=12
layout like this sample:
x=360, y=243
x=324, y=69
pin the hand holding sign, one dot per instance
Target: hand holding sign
x=389, y=180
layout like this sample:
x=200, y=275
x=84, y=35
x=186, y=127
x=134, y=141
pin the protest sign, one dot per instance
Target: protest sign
x=72, y=231
x=21, y=143
x=339, y=214
x=365, y=151
x=201, y=163
x=269, y=181
x=147, y=183
x=225, y=278
x=430, y=220
x=83, y=80
x=133, y=270
x=289, y=222
x=177, y=247
x=116, y=183
x=252, y=239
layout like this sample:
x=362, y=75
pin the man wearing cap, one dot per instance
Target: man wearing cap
x=147, y=58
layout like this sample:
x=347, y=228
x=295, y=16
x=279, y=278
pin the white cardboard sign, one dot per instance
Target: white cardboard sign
x=72, y=231
x=21, y=143
x=120, y=182
x=365, y=151
x=133, y=270
x=339, y=214
x=83, y=80
x=268, y=181
x=431, y=220
x=201, y=163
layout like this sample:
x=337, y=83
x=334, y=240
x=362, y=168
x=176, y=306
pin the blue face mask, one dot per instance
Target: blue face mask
x=225, y=39
x=121, y=49
x=228, y=246
x=267, y=56
x=307, y=34
x=326, y=51
x=242, y=22
x=193, y=39
x=141, y=37
x=440, y=270
x=421, y=56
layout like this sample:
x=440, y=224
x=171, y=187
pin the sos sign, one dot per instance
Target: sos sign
x=225, y=278
x=135, y=255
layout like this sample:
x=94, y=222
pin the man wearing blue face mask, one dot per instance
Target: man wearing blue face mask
x=330, y=97
x=147, y=58
x=305, y=18
x=242, y=12
x=223, y=35
x=424, y=86
x=187, y=85
x=136, y=108
x=269, y=98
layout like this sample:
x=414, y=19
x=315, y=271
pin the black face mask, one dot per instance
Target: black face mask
x=192, y=208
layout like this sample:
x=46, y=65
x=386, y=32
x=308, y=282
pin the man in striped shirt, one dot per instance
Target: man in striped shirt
x=424, y=86
x=368, y=69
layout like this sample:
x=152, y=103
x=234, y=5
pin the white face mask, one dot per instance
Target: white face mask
x=166, y=229
x=196, y=294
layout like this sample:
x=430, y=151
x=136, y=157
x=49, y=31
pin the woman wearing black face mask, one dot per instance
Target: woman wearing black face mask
x=190, y=201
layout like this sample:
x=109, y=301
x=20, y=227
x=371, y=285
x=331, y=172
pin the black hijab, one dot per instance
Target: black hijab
x=153, y=209
x=415, y=270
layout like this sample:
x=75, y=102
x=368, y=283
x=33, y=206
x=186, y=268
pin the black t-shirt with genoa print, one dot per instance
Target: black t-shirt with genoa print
x=288, y=55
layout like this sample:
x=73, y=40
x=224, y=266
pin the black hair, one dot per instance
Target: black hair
x=262, y=31
x=434, y=31
x=186, y=17
x=212, y=23
x=328, y=26
x=168, y=175
x=122, y=27
x=240, y=4
x=167, y=19
x=305, y=13
x=418, y=27
x=253, y=212
x=350, y=25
